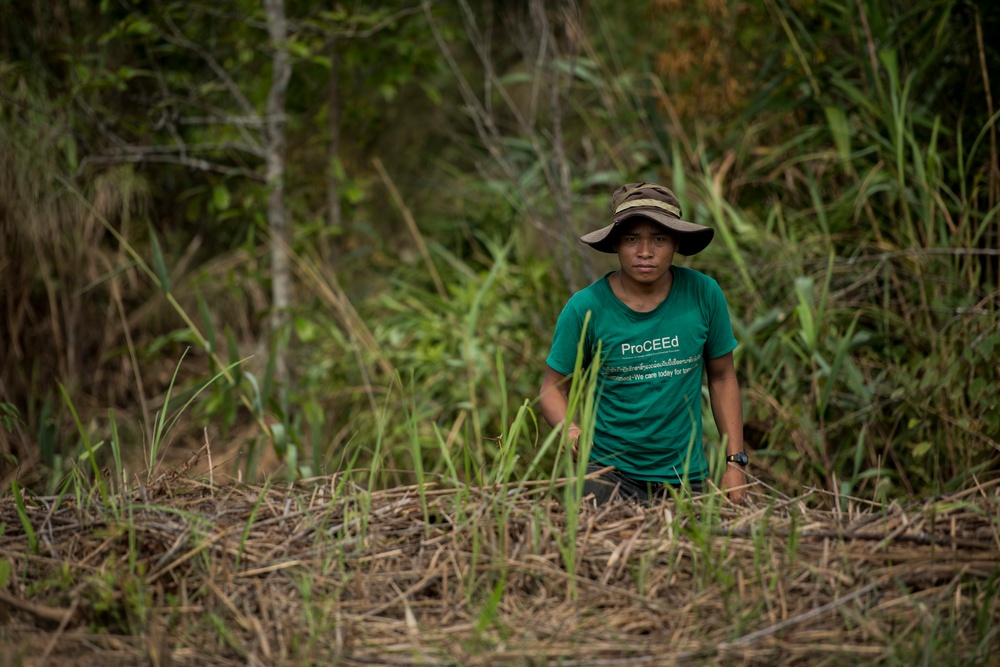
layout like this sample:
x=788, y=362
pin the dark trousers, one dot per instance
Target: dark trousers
x=615, y=483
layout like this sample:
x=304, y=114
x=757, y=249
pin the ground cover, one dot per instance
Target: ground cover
x=186, y=571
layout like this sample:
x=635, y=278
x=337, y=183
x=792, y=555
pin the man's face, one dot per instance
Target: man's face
x=645, y=250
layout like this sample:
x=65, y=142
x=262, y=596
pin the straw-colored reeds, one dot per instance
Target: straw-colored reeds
x=324, y=572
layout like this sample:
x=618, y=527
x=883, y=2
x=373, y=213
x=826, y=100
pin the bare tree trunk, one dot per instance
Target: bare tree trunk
x=277, y=27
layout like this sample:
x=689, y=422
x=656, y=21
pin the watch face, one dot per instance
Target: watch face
x=741, y=458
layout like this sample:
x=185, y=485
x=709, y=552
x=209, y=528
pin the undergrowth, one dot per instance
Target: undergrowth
x=856, y=214
x=176, y=570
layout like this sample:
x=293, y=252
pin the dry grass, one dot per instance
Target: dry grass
x=323, y=572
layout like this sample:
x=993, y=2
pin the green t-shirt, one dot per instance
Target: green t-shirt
x=649, y=385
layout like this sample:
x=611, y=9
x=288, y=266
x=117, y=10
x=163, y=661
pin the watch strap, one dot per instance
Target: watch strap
x=739, y=457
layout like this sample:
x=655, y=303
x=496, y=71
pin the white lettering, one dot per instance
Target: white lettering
x=665, y=343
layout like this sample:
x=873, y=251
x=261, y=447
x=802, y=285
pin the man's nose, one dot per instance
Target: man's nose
x=645, y=247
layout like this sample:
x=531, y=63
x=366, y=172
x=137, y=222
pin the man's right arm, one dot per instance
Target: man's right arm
x=554, y=401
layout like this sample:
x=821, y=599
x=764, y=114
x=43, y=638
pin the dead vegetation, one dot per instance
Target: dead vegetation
x=324, y=572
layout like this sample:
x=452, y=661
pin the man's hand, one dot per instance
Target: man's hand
x=573, y=434
x=554, y=400
x=733, y=478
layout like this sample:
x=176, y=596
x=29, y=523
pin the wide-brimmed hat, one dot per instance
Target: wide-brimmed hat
x=656, y=203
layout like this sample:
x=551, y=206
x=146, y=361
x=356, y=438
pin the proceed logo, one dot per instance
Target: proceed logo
x=664, y=344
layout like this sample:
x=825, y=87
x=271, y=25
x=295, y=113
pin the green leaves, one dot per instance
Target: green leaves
x=220, y=197
x=22, y=514
x=9, y=416
x=159, y=264
x=805, y=311
x=841, y=131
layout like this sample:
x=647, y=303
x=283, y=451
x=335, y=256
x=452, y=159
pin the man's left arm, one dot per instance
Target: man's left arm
x=727, y=408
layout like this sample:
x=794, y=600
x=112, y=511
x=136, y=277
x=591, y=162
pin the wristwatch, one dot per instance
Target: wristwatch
x=738, y=457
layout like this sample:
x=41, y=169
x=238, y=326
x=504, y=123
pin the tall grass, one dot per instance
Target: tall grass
x=856, y=244
x=296, y=570
x=862, y=268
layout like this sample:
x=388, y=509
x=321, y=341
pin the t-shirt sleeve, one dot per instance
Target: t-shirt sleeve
x=566, y=339
x=720, y=339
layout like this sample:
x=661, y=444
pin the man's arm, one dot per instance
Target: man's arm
x=554, y=402
x=727, y=408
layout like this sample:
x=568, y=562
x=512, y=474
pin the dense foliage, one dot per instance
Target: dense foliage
x=440, y=161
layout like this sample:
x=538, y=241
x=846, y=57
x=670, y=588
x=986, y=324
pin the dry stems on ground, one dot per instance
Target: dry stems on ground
x=322, y=572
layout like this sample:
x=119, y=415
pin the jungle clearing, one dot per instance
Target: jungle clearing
x=278, y=279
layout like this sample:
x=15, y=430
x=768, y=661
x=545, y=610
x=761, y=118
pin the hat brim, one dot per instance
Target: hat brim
x=691, y=238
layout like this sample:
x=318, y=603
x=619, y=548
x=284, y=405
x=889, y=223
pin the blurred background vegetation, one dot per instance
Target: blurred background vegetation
x=371, y=209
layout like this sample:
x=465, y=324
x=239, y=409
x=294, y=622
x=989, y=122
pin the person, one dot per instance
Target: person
x=656, y=326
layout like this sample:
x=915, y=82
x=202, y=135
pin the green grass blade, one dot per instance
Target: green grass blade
x=22, y=514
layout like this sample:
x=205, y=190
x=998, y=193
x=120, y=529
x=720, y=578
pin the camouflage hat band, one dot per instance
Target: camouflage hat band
x=655, y=203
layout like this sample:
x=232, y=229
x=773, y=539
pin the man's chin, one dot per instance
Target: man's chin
x=647, y=277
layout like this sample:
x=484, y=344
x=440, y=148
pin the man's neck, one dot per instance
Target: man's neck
x=641, y=297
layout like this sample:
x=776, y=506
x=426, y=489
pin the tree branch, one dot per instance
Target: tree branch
x=185, y=161
x=179, y=39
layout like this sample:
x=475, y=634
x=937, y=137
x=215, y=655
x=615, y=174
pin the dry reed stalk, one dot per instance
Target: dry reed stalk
x=362, y=578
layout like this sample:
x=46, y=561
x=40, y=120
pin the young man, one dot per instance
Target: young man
x=658, y=326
